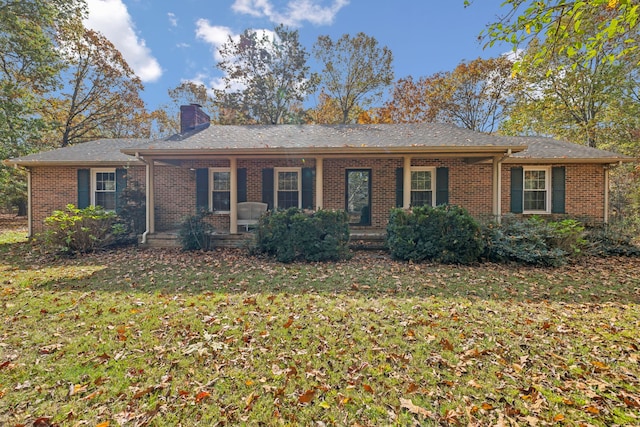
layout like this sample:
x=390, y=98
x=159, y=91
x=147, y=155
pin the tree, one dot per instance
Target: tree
x=101, y=94
x=587, y=102
x=474, y=95
x=265, y=76
x=356, y=71
x=29, y=66
x=329, y=112
x=598, y=23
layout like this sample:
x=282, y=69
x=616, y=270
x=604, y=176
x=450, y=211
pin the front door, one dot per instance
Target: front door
x=358, y=196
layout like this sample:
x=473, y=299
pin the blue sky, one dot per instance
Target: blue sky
x=170, y=41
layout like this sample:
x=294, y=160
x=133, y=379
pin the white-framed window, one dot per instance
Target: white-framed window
x=103, y=188
x=220, y=194
x=423, y=186
x=536, y=193
x=288, y=188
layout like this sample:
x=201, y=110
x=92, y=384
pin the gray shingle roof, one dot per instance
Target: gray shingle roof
x=423, y=137
x=552, y=149
x=328, y=136
x=101, y=151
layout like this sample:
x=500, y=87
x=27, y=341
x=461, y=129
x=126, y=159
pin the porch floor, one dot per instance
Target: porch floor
x=360, y=239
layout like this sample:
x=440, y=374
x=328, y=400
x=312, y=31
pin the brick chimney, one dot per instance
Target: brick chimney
x=193, y=118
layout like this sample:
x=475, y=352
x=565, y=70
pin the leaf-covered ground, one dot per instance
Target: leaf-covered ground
x=162, y=337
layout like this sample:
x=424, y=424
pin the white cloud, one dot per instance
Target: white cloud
x=215, y=35
x=294, y=13
x=173, y=21
x=112, y=19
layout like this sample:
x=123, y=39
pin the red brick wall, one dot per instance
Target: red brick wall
x=584, y=191
x=53, y=188
x=469, y=186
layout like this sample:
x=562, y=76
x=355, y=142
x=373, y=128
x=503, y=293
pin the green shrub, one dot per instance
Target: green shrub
x=195, y=232
x=74, y=230
x=132, y=209
x=292, y=235
x=446, y=234
x=534, y=241
x=612, y=239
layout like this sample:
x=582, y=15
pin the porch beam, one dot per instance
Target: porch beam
x=233, y=197
x=319, y=183
x=406, y=183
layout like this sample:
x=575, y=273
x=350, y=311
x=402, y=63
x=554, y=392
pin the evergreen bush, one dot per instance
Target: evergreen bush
x=612, y=239
x=195, y=232
x=292, y=234
x=534, y=241
x=446, y=234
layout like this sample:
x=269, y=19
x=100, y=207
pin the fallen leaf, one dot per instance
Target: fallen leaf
x=558, y=418
x=368, y=388
x=103, y=424
x=592, y=410
x=446, y=344
x=414, y=409
x=201, y=396
x=289, y=322
x=307, y=396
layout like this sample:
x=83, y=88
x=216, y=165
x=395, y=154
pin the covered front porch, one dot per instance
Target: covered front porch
x=366, y=187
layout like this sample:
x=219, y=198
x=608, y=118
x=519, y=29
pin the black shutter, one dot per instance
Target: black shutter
x=242, y=185
x=121, y=184
x=202, y=189
x=442, y=186
x=517, y=189
x=267, y=187
x=399, y=187
x=84, y=188
x=307, y=188
x=558, y=189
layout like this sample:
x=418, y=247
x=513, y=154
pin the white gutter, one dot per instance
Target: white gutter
x=147, y=230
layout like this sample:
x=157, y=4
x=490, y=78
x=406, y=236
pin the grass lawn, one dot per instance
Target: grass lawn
x=162, y=337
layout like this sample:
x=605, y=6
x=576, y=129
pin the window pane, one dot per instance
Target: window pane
x=535, y=200
x=535, y=180
x=421, y=198
x=288, y=181
x=287, y=199
x=421, y=180
x=221, y=181
x=106, y=199
x=221, y=200
x=105, y=181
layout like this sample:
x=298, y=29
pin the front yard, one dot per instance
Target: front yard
x=164, y=337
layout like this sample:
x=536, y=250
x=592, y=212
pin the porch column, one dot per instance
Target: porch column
x=606, y=195
x=151, y=220
x=406, y=183
x=29, y=204
x=319, y=182
x=233, y=197
x=497, y=188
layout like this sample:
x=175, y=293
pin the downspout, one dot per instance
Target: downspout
x=147, y=230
